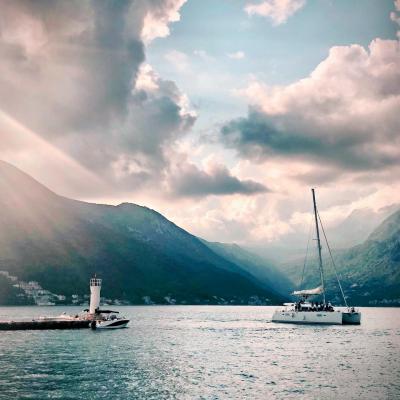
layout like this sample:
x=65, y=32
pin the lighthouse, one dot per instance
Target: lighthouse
x=95, y=287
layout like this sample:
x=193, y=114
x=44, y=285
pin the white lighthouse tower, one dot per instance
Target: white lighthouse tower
x=95, y=287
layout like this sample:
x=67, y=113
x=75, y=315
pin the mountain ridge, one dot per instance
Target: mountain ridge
x=370, y=271
x=60, y=242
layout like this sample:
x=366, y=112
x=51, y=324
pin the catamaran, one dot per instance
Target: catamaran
x=303, y=311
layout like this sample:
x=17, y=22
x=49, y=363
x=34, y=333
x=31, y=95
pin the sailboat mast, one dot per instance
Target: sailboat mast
x=319, y=245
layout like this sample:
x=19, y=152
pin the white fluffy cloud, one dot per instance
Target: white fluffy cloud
x=238, y=55
x=337, y=128
x=394, y=15
x=158, y=17
x=178, y=59
x=277, y=10
x=344, y=114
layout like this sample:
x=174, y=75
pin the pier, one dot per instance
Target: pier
x=41, y=324
x=90, y=318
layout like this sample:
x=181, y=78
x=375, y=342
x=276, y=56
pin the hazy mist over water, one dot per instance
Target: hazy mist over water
x=202, y=352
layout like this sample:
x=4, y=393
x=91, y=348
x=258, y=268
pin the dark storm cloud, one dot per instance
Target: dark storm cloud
x=192, y=182
x=155, y=120
x=75, y=74
x=69, y=72
x=74, y=63
x=259, y=136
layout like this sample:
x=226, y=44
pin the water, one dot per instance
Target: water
x=203, y=352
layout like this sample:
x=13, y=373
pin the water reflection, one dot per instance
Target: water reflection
x=203, y=353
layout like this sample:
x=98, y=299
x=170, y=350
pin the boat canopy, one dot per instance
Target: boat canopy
x=308, y=292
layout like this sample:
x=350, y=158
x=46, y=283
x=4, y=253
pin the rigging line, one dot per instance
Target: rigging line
x=305, y=258
x=332, y=260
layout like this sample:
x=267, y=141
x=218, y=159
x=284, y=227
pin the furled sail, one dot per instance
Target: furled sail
x=308, y=292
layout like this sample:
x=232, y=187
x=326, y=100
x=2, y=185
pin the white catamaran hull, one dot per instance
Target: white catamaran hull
x=307, y=317
x=352, y=318
x=317, y=317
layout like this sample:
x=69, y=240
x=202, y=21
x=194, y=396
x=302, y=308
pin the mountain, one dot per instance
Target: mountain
x=370, y=272
x=355, y=229
x=349, y=232
x=60, y=243
x=374, y=266
x=262, y=269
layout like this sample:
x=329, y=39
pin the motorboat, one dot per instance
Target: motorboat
x=102, y=319
x=305, y=311
x=108, y=319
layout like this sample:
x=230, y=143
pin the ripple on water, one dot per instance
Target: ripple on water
x=204, y=353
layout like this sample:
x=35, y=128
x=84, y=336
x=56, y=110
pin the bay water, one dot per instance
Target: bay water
x=202, y=352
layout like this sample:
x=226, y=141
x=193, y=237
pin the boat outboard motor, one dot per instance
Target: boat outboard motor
x=93, y=325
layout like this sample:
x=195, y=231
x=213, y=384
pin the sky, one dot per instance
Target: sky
x=220, y=114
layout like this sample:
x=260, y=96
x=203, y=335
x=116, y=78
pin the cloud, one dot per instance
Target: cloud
x=345, y=114
x=277, y=10
x=157, y=117
x=77, y=78
x=74, y=73
x=238, y=55
x=203, y=55
x=190, y=181
x=78, y=100
x=395, y=17
x=178, y=59
x=158, y=17
x=319, y=176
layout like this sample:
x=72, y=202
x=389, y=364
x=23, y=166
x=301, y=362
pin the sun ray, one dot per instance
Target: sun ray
x=15, y=136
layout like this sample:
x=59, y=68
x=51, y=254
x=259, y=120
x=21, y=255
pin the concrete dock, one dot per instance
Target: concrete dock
x=41, y=324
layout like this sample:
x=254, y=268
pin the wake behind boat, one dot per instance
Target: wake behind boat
x=304, y=311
